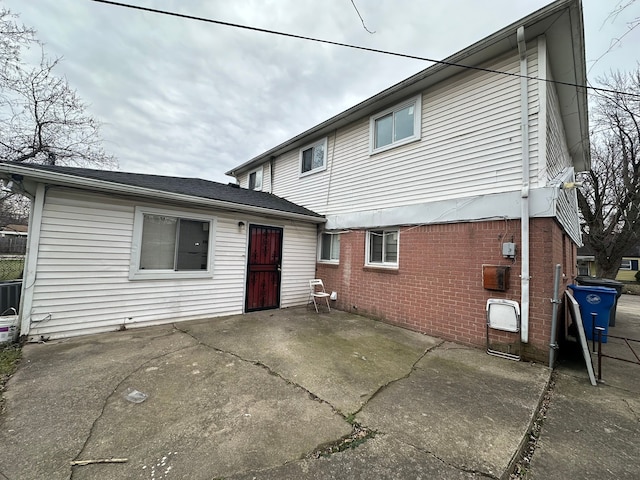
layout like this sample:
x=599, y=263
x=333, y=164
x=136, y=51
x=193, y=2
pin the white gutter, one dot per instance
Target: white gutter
x=63, y=179
x=524, y=216
x=31, y=259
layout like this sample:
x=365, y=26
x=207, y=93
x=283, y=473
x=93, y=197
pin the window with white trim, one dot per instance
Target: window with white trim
x=171, y=244
x=583, y=268
x=255, y=180
x=329, y=248
x=396, y=126
x=382, y=247
x=313, y=158
x=628, y=264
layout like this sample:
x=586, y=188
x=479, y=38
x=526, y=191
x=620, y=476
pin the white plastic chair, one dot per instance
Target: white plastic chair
x=316, y=290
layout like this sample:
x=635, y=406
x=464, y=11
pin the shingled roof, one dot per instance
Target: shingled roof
x=587, y=251
x=192, y=187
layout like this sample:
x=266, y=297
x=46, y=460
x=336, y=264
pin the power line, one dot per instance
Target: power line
x=361, y=19
x=358, y=47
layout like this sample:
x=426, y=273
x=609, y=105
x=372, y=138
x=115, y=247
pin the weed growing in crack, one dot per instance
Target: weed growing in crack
x=522, y=465
x=9, y=358
x=357, y=437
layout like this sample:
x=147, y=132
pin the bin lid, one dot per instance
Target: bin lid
x=586, y=280
x=602, y=282
x=593, y=288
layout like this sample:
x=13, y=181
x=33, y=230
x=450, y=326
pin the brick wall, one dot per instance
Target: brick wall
x=437, y=288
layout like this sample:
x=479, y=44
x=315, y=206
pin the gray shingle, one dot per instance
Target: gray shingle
x=194, y=187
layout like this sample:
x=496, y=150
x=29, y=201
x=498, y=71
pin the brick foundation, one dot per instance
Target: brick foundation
x=437, y=288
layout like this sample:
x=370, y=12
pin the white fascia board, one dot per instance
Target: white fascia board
x=497, y=206
x=64, y=180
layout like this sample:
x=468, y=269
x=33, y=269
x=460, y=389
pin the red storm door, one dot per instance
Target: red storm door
x=263, y=268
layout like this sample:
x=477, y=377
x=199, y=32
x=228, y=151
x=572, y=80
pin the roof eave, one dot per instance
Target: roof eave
x=74, y=181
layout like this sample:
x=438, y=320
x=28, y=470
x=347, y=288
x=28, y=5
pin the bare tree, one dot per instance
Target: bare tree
x=610, y=199
x=42, y=119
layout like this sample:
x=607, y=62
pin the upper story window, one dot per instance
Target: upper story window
x=168, y=244
x=255, y=180
x=382, y=247
x=396, y=126
x=329, y=247
x=313, y=158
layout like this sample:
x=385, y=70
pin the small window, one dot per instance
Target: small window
x=329, y=247
x=628, y=264
x=168, y=244
x=313, y=158
x=583, y=268
x=382, y=247
x=396, y=126
x=255, y=180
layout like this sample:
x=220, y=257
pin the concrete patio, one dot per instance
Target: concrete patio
x=275, y=394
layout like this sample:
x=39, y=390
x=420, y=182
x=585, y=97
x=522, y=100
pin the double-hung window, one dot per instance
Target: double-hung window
x=628, y=264
x=313, y=158
x=329, y=250
x=169, y=244
x=396, y=126
x=382, y=247
x=255, y=180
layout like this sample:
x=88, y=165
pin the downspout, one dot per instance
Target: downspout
x=29, y=277
x=524, y=215
x=271, y=166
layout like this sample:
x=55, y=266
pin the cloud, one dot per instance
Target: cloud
x=187, y=98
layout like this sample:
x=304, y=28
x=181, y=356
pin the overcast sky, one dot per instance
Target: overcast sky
x=186, y=98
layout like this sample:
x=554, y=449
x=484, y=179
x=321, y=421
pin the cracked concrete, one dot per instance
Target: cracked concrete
x=594, y=432
x=490, y=408
x=254, y=396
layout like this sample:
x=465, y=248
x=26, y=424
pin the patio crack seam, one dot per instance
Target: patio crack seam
x=635, y=414
x=472, y=471
x=390, y=382
x=106, y=400
x=266, y=367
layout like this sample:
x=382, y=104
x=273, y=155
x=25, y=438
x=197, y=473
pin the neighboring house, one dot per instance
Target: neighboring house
x=425, y=183
x=628, y=266
x=109, y=250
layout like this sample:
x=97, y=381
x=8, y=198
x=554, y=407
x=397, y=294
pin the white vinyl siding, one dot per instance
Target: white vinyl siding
x=264, y=171
x=558, y=157
x=470, y=145
x=82, y=283
x=298, y=263
x=310, y=190
x=567, y=206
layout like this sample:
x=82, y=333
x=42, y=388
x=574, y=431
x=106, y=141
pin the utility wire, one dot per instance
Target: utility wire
x=361, y=19
x=357, y=47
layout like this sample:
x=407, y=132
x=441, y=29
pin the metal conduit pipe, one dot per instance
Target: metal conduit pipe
x=553, y=344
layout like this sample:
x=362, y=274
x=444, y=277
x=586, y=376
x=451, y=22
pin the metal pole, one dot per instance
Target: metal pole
x=553, y=344
x=600, y=329
x=593, y=331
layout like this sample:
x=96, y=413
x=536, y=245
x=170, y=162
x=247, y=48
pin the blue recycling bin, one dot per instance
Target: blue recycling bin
x=598, y=300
